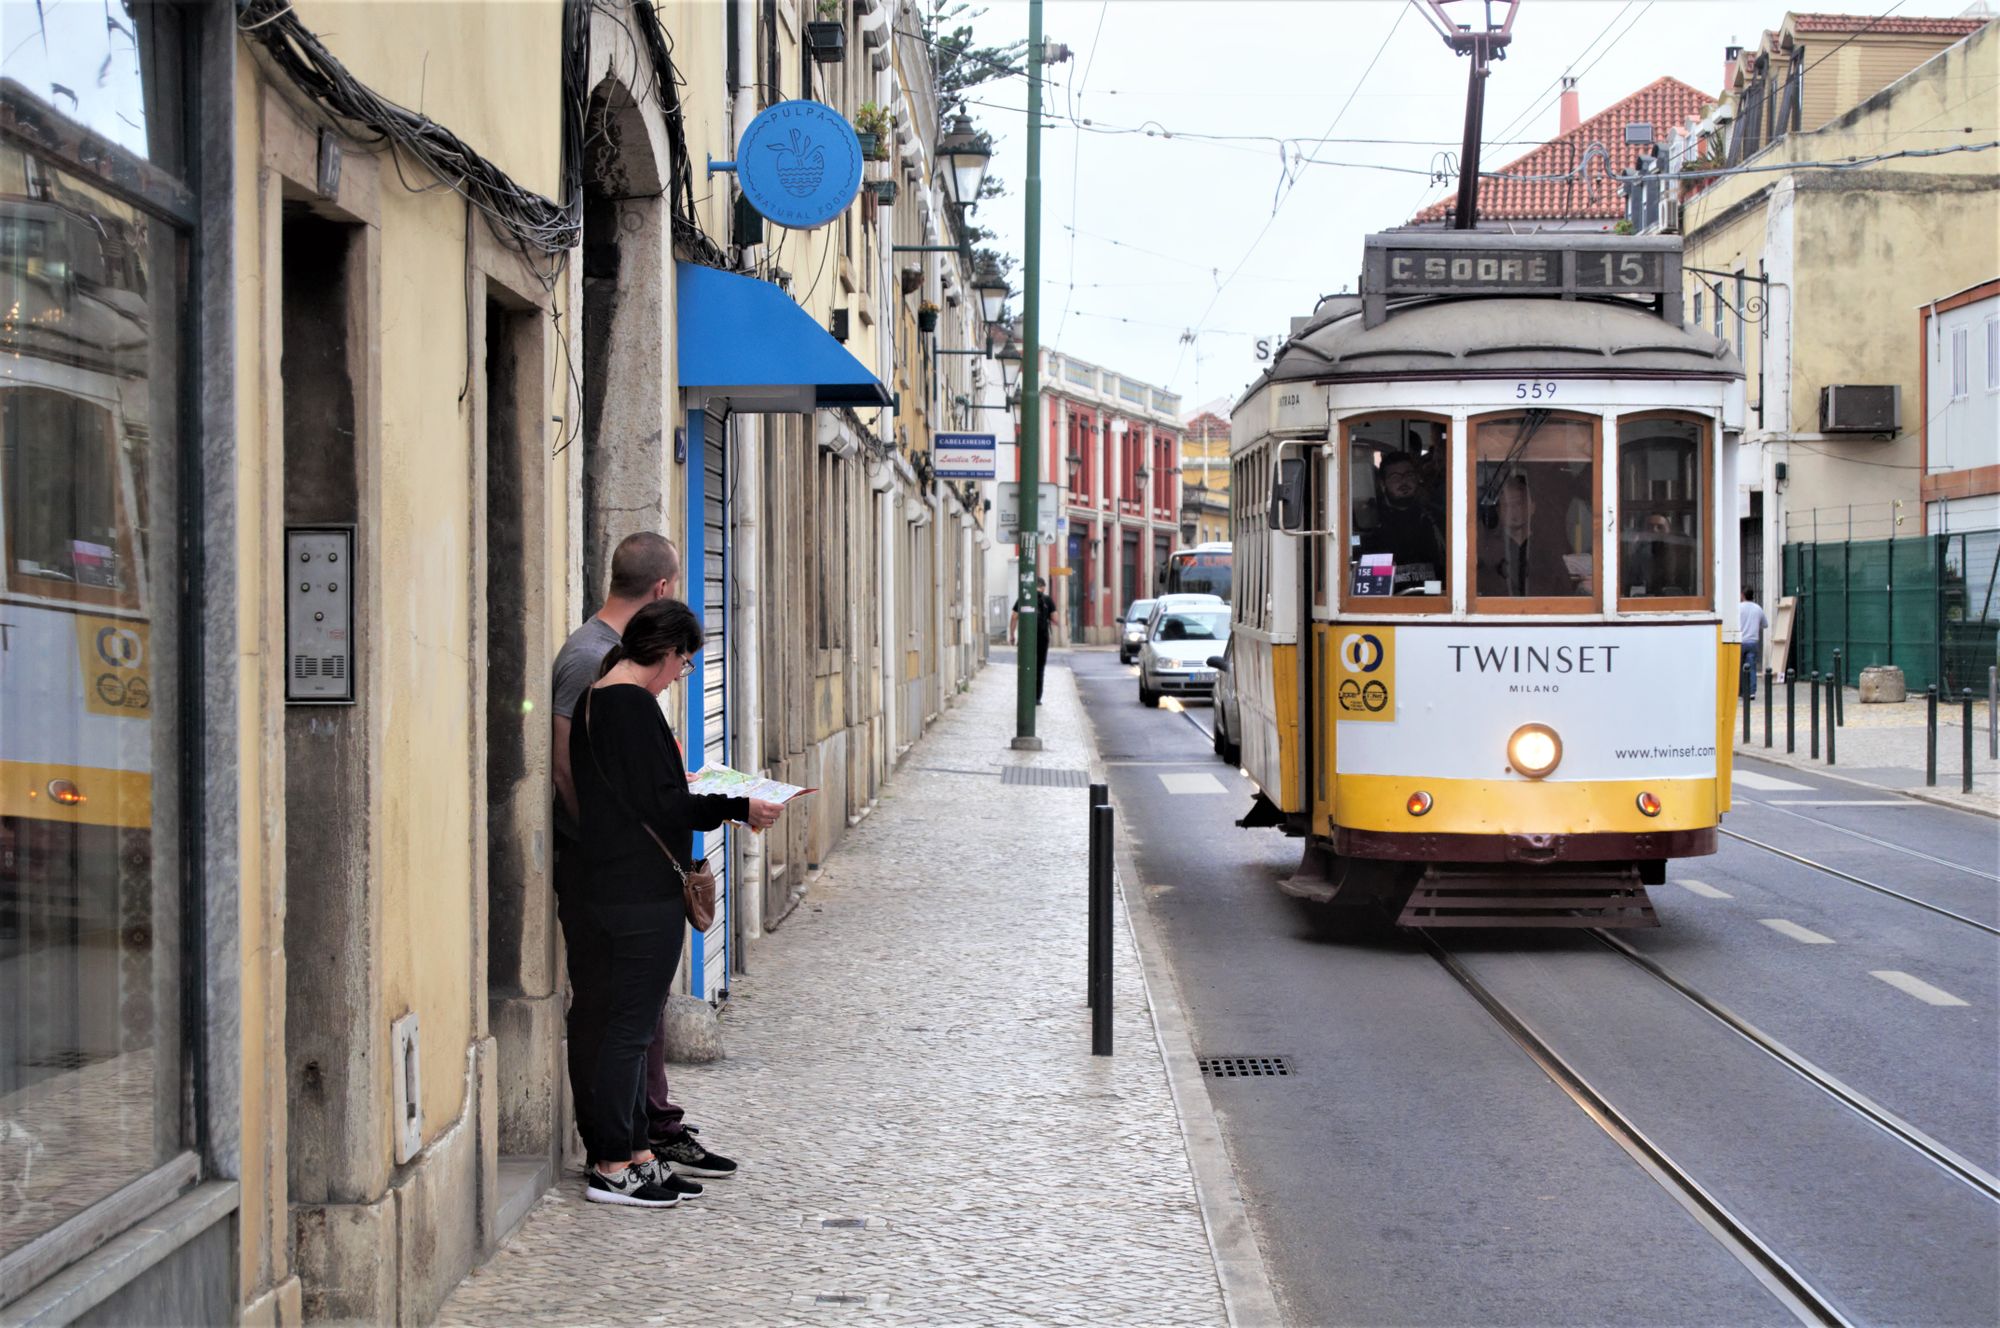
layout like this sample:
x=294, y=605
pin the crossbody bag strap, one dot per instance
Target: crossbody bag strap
x=619, y=794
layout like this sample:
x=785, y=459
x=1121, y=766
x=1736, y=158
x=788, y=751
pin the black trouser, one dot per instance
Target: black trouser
x=641, y=947
x=1041, y=660
x=588, y=949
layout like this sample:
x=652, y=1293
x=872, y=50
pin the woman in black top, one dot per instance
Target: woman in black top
x=629, y=776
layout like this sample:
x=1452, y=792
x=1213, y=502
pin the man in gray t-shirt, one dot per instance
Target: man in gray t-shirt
x=644, y=568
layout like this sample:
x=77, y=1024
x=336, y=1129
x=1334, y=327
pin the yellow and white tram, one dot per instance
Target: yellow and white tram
x=1484, y=642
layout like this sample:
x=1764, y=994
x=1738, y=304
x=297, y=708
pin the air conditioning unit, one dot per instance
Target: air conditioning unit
x=1670, y=215
x=1861, y=408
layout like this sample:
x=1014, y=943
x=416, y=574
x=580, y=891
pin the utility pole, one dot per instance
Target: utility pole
x=1030, y=441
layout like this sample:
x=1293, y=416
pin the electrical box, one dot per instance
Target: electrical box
x=319, y=615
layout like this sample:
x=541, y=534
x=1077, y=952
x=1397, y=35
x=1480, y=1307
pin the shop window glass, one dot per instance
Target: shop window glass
x=1662, y=510
x=90, y=810
x=1398, y=473
x=1534, y=479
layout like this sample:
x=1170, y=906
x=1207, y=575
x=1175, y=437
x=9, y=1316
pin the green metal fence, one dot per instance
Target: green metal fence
x=1930, y=604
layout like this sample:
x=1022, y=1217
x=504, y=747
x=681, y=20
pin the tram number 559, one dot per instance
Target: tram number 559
x=1534, y=391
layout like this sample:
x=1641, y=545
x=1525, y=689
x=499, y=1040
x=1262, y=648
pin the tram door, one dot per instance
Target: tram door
x=706, y=578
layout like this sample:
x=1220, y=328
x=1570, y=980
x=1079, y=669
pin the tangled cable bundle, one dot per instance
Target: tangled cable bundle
x=532, y=222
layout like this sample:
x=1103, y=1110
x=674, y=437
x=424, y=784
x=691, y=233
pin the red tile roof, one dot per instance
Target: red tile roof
x=1888, y=27
x=1663, y=104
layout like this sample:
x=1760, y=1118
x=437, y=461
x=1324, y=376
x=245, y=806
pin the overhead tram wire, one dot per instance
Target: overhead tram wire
x=1075, y=93
x=1536, y=105
x=1290, y=183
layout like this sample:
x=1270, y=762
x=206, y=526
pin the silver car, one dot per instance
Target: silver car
x=1132, y=629
x=1227, y=721
x=1174, y=659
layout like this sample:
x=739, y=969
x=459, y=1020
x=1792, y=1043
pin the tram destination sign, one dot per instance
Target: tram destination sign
x=1402, y=265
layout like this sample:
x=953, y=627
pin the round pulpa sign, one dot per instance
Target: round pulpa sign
x=799, y=164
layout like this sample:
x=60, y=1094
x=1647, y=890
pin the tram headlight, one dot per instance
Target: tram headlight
x=65, y=792
x=1534, y=750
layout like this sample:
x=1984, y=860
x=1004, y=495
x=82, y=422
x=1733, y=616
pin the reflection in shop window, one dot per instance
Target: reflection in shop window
x=90, y=875
x=1397, y=474
x=1534, y=479
x=1660, y=508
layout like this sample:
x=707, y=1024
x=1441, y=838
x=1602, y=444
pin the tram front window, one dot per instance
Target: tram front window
x=1397, y=470
x=1535, y=481
x=1660, y=509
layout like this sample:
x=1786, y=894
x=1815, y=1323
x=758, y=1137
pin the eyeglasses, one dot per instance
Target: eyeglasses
x=687, y=666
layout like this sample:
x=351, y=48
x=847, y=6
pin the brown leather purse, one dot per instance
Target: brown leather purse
x=698, y=884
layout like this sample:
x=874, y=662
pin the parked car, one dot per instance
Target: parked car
x=1227, y=721
x=1132, y=629
x=1184, y=634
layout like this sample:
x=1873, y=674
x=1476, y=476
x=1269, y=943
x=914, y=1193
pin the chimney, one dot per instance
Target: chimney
x=1730, y=55
x=1570, y=118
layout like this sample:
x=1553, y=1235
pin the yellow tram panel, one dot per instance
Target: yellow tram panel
x=1729, y=667
x=1519, y=807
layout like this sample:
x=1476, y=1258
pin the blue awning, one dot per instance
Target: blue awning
x=745, y=340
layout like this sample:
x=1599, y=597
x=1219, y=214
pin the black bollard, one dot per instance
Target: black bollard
x=1965, y=767
x=1832, y=717
x=1100, y=934
x=1100, y=796
x=1767, y=709
x=1839, y=691
x=1812, y=704
x=1746, y=714
x=1930, y=741
x=1791, y=711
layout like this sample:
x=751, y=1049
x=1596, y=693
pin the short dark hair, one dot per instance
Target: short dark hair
x=1747, y=595
x=661, y=626
x=641, y=562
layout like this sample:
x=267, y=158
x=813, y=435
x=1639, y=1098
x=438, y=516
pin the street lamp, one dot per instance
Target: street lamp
x=965, y=152
x=1010, y=366
x=993, y=292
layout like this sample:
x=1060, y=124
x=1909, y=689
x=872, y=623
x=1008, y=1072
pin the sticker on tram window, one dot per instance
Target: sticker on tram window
x=1534, y=391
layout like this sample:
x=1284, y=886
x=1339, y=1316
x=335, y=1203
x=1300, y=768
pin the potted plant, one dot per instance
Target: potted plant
x=827, y=35
x=873, y=126
x=885, y=190
x=927, y=316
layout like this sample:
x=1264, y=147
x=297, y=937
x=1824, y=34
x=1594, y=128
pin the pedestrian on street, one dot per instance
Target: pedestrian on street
x=1045, y=611
x=1750, y=631
x=645, y=567
x=637, y=821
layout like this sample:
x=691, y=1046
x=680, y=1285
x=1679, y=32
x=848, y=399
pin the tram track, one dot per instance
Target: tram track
x=1878, y=842
x=1786, y=1284
x=1863, y=882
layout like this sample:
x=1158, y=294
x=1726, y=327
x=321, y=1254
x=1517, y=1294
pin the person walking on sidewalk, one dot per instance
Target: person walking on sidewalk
x=1045, y=611
x=1750, y=631
x=637, y=821
x=645, y=567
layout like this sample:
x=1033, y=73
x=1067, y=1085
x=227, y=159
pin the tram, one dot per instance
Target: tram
x=1483, y=640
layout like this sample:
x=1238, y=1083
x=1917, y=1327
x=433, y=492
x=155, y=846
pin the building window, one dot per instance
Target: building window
x=1662, y=527
x=1741, y=294
x=1398, y=510
x=1716, y=292
x=1993, y=355
x=1698, y=294
x=1961, y=378
x=91, y=816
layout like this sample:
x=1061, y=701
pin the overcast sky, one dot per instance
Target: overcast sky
x=1197, y=245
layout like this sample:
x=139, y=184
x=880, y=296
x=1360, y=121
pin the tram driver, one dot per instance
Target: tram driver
x=1407, y=523
x=1517, y=557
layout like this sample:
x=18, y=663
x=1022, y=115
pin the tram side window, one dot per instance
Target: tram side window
x=1661, y=512
x=1397, y=473
x=1535, y=478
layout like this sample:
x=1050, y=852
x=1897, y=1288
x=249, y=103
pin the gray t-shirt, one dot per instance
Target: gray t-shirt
x=577, y=664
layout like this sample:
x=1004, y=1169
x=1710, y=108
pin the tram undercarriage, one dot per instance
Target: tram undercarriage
x=1478, y=894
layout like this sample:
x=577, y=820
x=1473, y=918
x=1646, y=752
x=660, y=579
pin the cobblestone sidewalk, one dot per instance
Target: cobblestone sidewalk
x=924, y=1135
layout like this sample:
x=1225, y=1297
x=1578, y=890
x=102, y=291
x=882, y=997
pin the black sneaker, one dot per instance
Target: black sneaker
x=662, y=1175
x=687, y=1157
x=632, y=1187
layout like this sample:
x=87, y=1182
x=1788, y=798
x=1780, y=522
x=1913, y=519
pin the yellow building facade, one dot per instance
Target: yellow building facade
x=365, y=478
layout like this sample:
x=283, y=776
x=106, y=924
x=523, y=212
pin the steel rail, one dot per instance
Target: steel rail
x=1879, y=843
x=1938, y=909
x=1956, y=1164
x=1784, y=1282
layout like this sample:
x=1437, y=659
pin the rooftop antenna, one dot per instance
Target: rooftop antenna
x=1484, y=46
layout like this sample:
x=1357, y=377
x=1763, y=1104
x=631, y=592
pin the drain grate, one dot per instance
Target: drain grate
x=1042, y=776
x=1246, y=1067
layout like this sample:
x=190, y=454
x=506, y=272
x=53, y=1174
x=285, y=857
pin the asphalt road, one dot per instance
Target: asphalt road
x=1416, y=1167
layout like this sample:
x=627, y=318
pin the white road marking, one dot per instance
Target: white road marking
x=1193, y=783
x=1916, y=987
x=1768, y=783
x=1837, y=802
x=1805, y=935
x=1704, y=889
